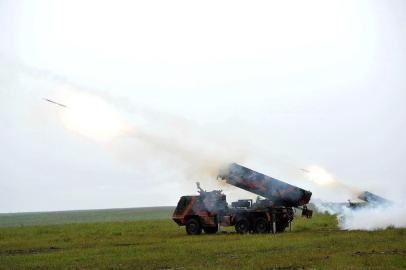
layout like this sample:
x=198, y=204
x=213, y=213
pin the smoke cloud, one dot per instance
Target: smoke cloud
x=368, y=216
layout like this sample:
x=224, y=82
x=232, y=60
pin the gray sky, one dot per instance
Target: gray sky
x=159, y=90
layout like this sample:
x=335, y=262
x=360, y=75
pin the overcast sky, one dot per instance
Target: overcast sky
x=156, y=90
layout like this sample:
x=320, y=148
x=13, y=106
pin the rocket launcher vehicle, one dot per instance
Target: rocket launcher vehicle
x=209, y=210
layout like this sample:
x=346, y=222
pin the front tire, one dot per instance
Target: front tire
x=193, y=227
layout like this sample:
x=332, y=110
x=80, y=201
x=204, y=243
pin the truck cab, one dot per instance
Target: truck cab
x=199, y=213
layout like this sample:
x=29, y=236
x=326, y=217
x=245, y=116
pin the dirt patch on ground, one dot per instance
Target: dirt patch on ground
x=287, y=268
x=15, y=252
x=384, y=252
x=126, y=244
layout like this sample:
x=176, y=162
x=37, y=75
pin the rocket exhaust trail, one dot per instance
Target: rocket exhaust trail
x=54, y=102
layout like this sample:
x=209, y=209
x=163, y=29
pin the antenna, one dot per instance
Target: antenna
x=199, y=188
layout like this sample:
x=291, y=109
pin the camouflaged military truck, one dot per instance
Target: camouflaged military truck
x=273, y=213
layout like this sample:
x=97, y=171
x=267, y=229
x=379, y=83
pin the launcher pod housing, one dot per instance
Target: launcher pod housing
x=276, y=191
x=274, y=213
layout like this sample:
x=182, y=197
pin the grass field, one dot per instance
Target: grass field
x=85, y=216
x=161, y=244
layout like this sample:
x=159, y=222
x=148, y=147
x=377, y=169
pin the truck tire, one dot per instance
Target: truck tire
x=211, y=230
x=242, y=226
x=261, y=225
x=193, y=227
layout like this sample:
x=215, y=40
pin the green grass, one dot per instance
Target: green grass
x=85, y=216
x=161, y=244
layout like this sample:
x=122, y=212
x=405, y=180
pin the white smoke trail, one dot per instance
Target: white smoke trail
x=135, y=134
x=172, y=140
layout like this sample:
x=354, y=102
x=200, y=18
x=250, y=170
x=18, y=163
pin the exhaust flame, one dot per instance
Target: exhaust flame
x=319, y=176
x=325, y=179
x=93, y=117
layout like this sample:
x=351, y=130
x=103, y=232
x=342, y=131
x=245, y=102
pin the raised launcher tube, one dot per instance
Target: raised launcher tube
x=277, y=192
x=373, y=199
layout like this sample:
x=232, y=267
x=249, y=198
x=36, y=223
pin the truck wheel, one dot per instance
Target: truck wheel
x=210, y=230
x=242, y=226
x=193, y=227
x=261, y=225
